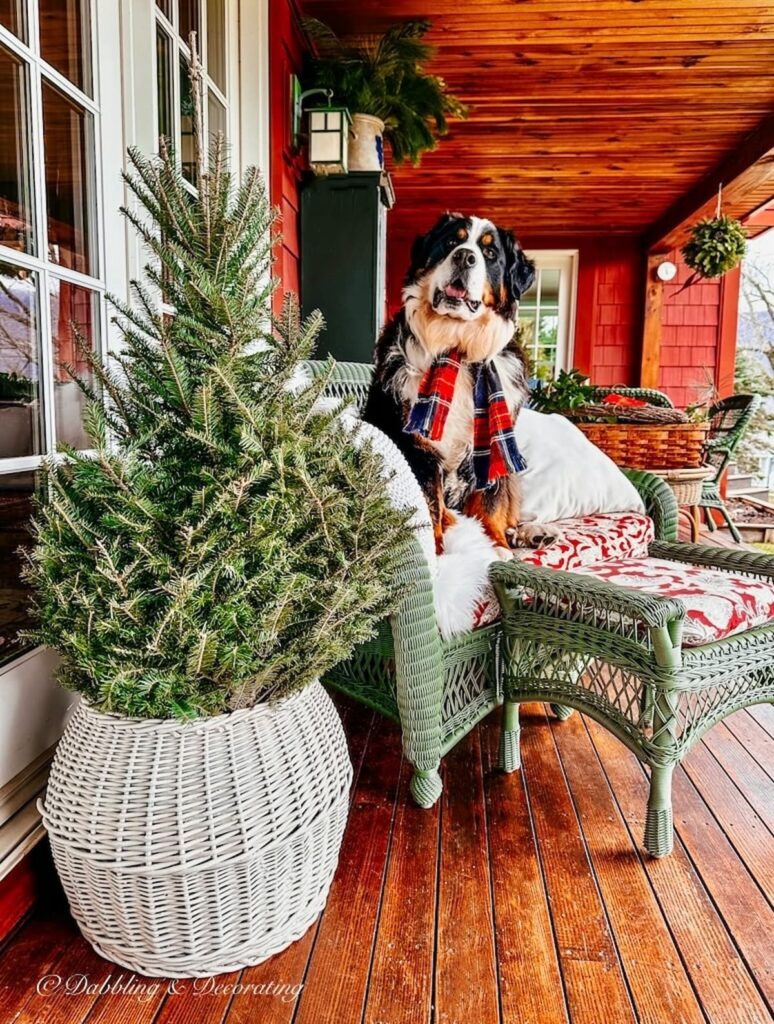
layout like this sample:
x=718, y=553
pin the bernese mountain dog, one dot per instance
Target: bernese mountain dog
x=460, y=296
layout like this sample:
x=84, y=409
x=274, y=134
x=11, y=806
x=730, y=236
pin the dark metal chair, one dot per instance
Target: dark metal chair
x=729, y=419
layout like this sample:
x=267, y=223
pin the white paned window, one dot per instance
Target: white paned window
x=51, y=256
x=175, y=21
x=546, y=314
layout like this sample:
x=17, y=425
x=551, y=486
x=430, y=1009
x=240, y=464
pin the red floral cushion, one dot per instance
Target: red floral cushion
x=586, y=540
x=592, y=539
x=718, y=604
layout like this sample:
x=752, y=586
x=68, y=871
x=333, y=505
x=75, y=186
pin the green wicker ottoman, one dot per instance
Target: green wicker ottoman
x=647, y=666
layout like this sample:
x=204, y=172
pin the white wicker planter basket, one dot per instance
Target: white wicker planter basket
x=189, y=849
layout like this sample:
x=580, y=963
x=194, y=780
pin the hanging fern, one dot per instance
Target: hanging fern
x=716, y=245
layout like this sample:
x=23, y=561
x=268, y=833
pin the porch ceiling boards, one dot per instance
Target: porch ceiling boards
x=585, y=118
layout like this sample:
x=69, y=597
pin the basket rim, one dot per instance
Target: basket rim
x=682, y=427
x=201, y=723
x=683, y=474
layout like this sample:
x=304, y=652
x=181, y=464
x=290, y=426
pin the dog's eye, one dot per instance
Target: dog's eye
x=489, y=253
x=452, y=243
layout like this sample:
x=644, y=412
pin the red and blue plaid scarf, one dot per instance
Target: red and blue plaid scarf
x=495, y=453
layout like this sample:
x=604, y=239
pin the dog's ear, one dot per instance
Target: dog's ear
x=519, y=269
x=426, y=248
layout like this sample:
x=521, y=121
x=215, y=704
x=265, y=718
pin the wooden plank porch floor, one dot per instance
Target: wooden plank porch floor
x=522, y=899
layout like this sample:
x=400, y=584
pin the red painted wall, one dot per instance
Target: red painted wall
x=698, y=336
x=285, y=57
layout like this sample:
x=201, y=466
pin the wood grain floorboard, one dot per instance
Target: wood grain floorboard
x=764, y=716
x=747, y=832
x=29, y=956
x=740, y=764
x=465, y=972
x=729, y=990
x=531, y=988
x=732, y=887
x=660, y=987
x=587, y=953
x=401, y=982
x=337, y=978
x=754, y=739
x=266, y=986
x=66, y=1004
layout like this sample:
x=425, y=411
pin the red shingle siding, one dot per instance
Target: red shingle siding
x=689, y=336
x=614, y=325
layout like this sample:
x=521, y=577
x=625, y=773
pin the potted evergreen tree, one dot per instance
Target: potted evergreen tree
x=223, y=545
x=383, y=83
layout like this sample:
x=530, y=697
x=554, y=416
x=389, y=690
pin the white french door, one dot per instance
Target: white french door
x=547, y=313
x=52, y=280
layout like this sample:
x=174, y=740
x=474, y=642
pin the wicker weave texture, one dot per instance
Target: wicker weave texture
x=188, y=849
x=438, y=689
x=642, y=446
x=616, y=655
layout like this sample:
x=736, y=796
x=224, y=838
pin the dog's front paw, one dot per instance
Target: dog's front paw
x=537, y=535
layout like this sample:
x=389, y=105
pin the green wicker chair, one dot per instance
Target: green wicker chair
x=438, y=689
x=729, y=419
x=616, y=654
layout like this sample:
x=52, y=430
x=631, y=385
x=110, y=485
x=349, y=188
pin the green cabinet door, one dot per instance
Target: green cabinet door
x=343, y=260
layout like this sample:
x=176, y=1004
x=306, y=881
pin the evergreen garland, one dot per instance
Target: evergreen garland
x=225, y=541
x=717, y=245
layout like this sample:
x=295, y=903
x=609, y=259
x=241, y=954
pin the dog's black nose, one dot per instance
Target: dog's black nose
x=464, y=258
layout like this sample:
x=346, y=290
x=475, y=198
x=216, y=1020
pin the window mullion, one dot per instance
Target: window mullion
x=176, y=139
x=43, y=317
x=66, y=86
x=15, y=45
x=201, y=42
x=47, y=368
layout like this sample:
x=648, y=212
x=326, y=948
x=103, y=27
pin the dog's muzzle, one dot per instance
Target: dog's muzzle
x=455, y=294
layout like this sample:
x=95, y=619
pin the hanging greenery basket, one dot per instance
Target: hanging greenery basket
x=385, y=77
x=717, y=245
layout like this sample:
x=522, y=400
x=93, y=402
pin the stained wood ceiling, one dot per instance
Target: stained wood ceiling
x=586, y=117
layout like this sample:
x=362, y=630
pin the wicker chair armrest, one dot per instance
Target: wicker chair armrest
x=750, y=563
x=419, y=665
x=659, y=501
x=581, y=597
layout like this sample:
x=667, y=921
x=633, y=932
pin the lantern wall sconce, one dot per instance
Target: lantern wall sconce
x=328, y=130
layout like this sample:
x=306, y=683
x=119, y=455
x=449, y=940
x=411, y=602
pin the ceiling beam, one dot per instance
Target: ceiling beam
x=763, y=217
x=744, y=174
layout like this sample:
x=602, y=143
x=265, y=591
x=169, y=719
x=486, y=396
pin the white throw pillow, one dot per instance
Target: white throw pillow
x=567, y=476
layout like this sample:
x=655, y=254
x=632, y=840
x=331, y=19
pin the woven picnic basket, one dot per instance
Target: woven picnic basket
x=188, y=849
x=650, y=446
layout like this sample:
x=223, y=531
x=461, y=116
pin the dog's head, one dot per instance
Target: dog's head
x=467, y=264
x=466, y=271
